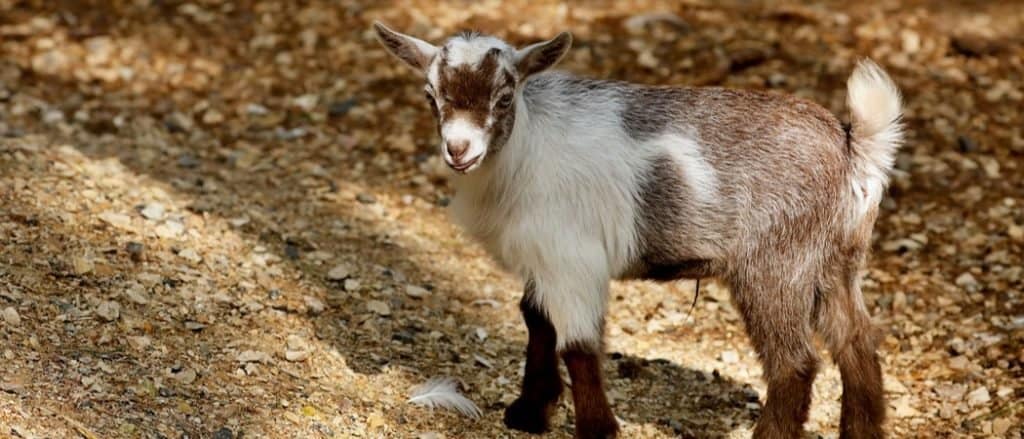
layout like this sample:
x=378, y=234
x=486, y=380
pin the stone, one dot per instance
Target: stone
x=11, y=316
x=109, y=310
x=978, y=397
x=153, y=211
x=379, y=307
x=339, y=272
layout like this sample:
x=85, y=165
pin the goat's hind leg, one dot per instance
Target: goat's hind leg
x=542, y=385
x=846, y=327
x=777, y=317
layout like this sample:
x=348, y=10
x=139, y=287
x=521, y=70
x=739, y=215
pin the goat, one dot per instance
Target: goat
x=571, y=182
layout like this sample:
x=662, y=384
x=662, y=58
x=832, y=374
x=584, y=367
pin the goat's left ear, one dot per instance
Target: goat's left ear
x=541, y=56
x=413, y=51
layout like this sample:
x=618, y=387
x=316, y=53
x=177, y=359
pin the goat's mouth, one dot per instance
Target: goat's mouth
x=465, y=166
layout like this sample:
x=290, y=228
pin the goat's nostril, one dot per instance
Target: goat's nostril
x=457, y=149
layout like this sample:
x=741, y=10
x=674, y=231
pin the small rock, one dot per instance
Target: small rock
x=253, y=357
x=339, y=272
x=153, y=211
x=188, y=161
x=1015, y=233
x=306, y=102
x=212, y=117
x=378, y=307
x=256, y=110
x=137, y=295
x=190, y=255
x=967, y=281
x=109, y=310
x=730, y=357
x=135, y=250
x=296, y=356
x=169, y=229
x=194, y=326
x=351, y=284
x=223, y=433
x=184, y=375
x=375, y=421
x=139, y=342
x=82, y=265
x=966, y=144
x=314, y=305
x=1000, y=426
x=416, y=291
x=340, y=108
x=11, y=316
x=978, y=397
x=366, y=198
x=115, y=219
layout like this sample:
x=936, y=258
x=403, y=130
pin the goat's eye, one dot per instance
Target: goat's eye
x=505, y=101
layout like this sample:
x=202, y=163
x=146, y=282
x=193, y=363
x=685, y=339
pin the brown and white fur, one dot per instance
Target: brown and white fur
x=571, y=182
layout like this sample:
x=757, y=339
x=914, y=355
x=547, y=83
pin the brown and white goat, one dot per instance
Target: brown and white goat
x=571, y=182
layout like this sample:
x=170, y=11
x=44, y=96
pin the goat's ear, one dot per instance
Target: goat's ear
x=411, y=50
x=541, y=56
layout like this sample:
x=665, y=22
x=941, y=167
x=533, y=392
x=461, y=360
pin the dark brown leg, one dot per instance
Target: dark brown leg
x=863, y=399
x=594, y=418
x=542, y=385
x=777, y=319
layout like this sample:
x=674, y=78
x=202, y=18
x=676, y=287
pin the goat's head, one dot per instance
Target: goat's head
x=473, y=87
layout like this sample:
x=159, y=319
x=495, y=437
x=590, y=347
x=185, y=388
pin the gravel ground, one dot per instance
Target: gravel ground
x=225, y=219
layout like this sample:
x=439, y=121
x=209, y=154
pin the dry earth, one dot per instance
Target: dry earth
x=225, y=219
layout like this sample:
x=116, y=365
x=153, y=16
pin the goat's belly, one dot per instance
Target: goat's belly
x=671, y=270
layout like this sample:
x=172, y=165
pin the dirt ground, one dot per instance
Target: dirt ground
x=226, y=219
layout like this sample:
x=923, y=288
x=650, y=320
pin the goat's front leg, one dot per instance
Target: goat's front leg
x=594, y=418
x=542, y=385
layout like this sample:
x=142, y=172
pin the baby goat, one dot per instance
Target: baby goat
x=570, y=182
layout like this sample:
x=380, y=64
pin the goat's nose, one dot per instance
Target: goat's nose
x=457, y=149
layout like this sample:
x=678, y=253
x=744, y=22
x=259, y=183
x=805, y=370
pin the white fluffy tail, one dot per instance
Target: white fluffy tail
x=876, y=131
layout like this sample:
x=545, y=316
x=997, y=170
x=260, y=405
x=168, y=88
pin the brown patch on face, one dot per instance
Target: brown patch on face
x=466, y=89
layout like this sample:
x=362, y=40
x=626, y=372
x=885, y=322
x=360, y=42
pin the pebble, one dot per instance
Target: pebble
x=153, y=211
x=169, y=229
x=190, y=255
x=109, y=310
x=339, y=272
x=140, y=342
x=351, y=284
x=82, y=265
x=223, y=433
x=118, y=220
x=366, y=198
x=967, y=280
x=340, y=108
x=253, y=357
x=416, y=291
x=11, y=316
x=379, y=307
x=213, y=117
x=135, y=250
x=306, y=102
x=978, y=397
x=730, y=357
x=314, y=305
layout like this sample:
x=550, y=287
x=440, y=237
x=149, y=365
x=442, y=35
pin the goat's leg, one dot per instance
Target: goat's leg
x=594, y=418
x=846, y=327
x=542, y=385
x=778, y=323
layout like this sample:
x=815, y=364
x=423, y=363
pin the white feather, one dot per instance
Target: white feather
x=443, y=393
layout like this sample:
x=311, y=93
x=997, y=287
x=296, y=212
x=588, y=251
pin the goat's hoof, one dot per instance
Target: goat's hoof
x=597, y=430
x=528, y=416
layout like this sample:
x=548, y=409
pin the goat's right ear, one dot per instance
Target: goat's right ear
x=541, y=56
x=413, y=51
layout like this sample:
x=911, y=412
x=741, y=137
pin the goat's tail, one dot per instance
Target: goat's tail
x=876, y=130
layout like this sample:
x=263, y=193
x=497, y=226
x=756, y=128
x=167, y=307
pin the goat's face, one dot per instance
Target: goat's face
x=473, y=87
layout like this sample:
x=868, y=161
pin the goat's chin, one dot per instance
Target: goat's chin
x=467, y=166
